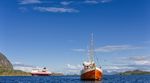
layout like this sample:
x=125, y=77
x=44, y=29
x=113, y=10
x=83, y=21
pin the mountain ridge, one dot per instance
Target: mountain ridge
x=5, y=64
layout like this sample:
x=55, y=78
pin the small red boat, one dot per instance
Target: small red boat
x=90, y=70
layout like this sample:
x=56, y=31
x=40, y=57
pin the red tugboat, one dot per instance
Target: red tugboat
x=90, y=70
x=40, y=72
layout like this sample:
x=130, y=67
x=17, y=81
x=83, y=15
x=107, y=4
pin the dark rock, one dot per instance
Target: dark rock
x=5, y=64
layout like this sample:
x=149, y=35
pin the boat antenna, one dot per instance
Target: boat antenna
x=91, y=51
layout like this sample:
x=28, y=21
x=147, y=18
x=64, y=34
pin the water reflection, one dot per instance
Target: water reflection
x=91, y=82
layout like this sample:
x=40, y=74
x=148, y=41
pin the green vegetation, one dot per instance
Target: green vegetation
x=13, y=73
x=135, y=72
x=6, y=68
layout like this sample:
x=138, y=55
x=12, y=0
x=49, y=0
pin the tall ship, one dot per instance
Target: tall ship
x=90, y=71
x=40, y=72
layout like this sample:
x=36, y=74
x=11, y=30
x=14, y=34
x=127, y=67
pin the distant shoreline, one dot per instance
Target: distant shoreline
x=135, y=72
x=22, y=73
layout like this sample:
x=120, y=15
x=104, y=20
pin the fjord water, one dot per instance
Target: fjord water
x=75, y=79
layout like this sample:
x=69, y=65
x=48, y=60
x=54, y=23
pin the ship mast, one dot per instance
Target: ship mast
x=91, y=51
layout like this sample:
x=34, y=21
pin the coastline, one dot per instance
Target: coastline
x=135, y=72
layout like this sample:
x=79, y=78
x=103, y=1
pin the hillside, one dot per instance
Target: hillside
x=6, y=68
x=14, y=73
x=135, y=72
x=5, y=64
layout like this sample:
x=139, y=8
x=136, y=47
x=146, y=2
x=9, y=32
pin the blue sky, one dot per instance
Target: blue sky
x=55, y=33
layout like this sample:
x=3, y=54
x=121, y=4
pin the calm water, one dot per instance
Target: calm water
x=75, y=79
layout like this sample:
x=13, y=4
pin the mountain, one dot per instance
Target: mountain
x=5, y=64
x=135, y=72
x=6, y=68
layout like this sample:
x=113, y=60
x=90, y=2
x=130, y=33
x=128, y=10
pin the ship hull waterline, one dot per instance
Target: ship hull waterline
x=40, y=74
x=92, y=75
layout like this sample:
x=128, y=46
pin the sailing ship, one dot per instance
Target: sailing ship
x=90, y=71
x=40, y=72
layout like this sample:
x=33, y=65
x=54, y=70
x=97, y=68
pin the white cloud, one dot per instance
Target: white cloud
x=96, y=1
x=132, y=63
x=57, y=6
x=23, y=67
x=66, y=2
x=137, y=58
x=79, y=50
x=112, y=48
x=129, y=63
x=118, y=68
x=114, y=69
x=91, y=2
x=121, y=68
x=26, y=69
x=73, y=67
x=29, y=1
x=17, y=63
x=140, y=60
x=105, y=1
x=143, y=62
x=55, y=9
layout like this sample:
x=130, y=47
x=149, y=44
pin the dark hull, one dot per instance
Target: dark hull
x=38, y=74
